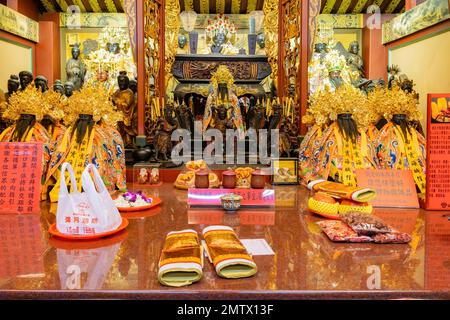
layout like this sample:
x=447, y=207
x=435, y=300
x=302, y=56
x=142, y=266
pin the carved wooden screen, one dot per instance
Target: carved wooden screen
x=152, y=27
x=290, y=52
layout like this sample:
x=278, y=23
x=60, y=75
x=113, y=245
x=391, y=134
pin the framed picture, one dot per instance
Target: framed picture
x=146, y=175
x=284, y=171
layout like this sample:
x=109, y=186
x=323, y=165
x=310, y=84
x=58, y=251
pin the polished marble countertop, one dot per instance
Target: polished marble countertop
x=305, y=265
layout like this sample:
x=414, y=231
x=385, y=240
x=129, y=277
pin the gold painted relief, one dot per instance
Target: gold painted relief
x=172, y=28
x=270, y=9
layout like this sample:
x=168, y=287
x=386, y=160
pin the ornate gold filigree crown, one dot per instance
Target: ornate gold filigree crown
x=395, y=101
x=222, y=75
x=92, y=100
x=57, y=104
x=325, y=106
x=29, y=101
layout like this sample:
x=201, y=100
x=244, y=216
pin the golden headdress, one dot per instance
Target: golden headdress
x=57, y=104
x=92, y=100
x=334, y=61
x=28, y=101
x=325, y=106
x=222, y=75
x=395, y=101
x=114, y=35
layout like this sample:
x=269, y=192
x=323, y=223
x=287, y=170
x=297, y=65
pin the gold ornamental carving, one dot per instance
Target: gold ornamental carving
x=172, y=28
x=270, y=9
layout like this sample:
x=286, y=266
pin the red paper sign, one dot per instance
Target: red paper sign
x=20, y=177
x=395, y=188
x=250, y=197
x=438, y=152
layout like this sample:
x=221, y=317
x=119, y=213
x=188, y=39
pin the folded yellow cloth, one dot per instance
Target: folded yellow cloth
x=181, y=261
x=228, y=255
x=340, y=190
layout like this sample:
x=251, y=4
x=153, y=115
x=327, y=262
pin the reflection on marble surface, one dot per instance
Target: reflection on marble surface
x=304, y=261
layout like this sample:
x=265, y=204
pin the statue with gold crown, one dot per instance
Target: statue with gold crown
x=399, y=145
x=54, y=115
x=26, y=108
x=222, y=93
x=90, y=138
x=344, y=146
x=114, y=55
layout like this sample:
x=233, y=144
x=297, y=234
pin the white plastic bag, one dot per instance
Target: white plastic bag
x=88, y=212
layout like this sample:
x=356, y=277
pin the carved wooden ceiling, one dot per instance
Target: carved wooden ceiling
x=360, y=6
x=84, y=5
x=226, y=6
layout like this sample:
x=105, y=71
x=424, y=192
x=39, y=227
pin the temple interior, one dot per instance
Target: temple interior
x=317, y=103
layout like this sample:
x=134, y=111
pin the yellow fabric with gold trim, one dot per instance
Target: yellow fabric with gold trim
x=341, y=191
x=181, y=261
x=228, y=255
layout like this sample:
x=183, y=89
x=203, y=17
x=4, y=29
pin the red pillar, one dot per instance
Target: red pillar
x=48, y=49
x=373, y=51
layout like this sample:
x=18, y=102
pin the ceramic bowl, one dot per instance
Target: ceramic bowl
x=231, y=201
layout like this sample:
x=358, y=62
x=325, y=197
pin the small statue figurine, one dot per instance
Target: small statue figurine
x=123, y=99
x=58, y=86
x=41, y=83
x=162, y=141
x=26, y=78
x=256, y=116
x=13, y=86
x=75, y=69
x=278, y=121
x=354, y=60
x=221, y=121
x=181, y=41
x=185, y=117
x=68, y=89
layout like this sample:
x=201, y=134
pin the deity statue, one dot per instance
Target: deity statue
x=58, y=86
x=181, y=41
x=256, y=116
x=185, y=117
x=278, y=121
x=162, y=141
x=221, y=121
x=41, y=83
x=123, y=99
x=320, y=50
x=354, y=60
x=68, y=89
x=75, y=69
x=26, y=78
x=220, y=32
x=13, y=86
x=327, y=70
x=113, y=56
x=222, y=92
